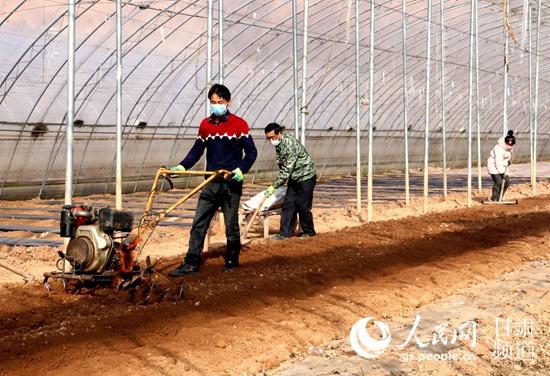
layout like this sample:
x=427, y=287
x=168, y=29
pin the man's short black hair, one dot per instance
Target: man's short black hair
x=221, y=91
x=273, y=127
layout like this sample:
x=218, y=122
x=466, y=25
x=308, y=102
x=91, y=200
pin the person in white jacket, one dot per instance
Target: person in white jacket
x=498, y=162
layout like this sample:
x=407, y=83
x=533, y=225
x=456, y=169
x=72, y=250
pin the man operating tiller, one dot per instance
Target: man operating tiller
x=226, y=138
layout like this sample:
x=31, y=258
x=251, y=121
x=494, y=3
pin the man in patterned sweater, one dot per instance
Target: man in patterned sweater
x=296, y=168
x=225, y=137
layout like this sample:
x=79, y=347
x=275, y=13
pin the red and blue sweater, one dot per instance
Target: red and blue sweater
x=225, y=139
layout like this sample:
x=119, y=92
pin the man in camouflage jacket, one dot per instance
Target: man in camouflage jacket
x=297, y=170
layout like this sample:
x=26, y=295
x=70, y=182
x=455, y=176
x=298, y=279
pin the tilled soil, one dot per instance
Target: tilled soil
x=287, y=296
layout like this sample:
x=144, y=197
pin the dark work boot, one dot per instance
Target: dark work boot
x=230, y=265
x=184, y=269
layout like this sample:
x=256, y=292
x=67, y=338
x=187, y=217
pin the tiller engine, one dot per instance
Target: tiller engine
x=101, y=249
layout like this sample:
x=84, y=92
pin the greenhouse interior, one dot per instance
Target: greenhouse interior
x=398, y=107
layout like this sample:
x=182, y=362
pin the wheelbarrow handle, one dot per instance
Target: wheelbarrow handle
x=254, y=215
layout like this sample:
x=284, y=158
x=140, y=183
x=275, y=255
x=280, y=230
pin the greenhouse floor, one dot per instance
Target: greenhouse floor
x=289, y=309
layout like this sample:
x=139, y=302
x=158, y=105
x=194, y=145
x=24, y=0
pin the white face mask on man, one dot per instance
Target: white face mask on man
x=275, y=142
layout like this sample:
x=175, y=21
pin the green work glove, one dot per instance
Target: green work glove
x=237, y=175
x=177, y=168
x=269, y=191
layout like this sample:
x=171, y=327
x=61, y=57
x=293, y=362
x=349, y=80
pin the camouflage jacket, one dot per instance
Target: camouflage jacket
x=293, y=160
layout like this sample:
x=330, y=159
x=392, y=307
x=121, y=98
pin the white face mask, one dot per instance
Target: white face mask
x=275, y=142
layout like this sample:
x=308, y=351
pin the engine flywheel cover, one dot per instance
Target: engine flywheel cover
x=81, y=250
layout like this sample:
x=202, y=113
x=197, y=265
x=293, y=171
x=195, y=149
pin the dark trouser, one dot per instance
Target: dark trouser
x=298, y=200
x=227, y=196
x=497, y=185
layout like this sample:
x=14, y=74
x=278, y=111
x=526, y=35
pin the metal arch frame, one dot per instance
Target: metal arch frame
x=181, y=89
x=169, y=63
x=497, y=115
x=177, y=95
x=4, y=92
x=516, y=109
x=52, y=162
x=13, y=11
x=270, y=29
x=391, y=86
x=160, y=14
x=131, y=72
x=258, y=66
x=165, y=112
x=343, y=124
x=173, y=148
x=20, y=73
x=54, y=76
x=489, y=51
x=456, y=66
x=322, y=78
x=265, y=59
x=493, y=72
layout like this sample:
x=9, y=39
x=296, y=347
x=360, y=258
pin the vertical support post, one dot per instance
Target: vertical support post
x=478, y=116
x=443, y=110
x=118, y=170
x=220, y=39
x=405, y=102
x=209, y=53
x=304, y=74
x=357, y=110
x=526, y=18
x=470, y=95
x=536, y=107
x=70, y=103
x=371, y=109
x=530, y=62
x=505, y=90
x=427, y=106
x=295, y=68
